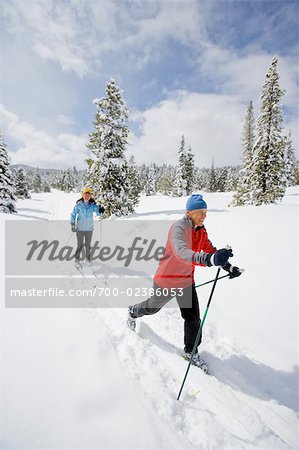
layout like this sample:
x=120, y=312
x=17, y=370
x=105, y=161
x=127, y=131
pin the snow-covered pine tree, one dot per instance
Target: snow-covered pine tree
x=7, y=197
x=297, y=173
x=165, y=181
x=221, y=177
x=231, y=180
x=60, y=182
x=290, y=161
x=108, y=172
x=54, y=180
x=189, y=171
x=21, y=184
x=150, y=187
x=242, y=195
x=46, y=186
x=76, y=179
x=199, y=179
x=36, y=184
x=67, y=182
x=267, y=173
x=211, y=182
x=143, y=175
x=180, y=182
x=134, y=180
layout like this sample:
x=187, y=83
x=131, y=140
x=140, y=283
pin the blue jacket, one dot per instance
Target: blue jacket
x=83, y=214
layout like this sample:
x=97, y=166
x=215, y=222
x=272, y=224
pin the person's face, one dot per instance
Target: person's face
x=86, y=196
x=197, y=216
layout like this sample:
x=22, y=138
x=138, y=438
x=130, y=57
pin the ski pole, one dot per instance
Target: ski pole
x=199, y=331
x=68, y=239
x=211, y=281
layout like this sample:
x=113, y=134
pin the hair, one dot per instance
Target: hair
x=91, y=200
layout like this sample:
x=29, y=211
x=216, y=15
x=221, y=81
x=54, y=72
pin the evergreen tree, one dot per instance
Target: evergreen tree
x=230, y=184
x=165, y=182
x=199, y=179
x=290, y=161
x=36, y=184
x=244, y=188
x=7, y=197
x=143, y=175
x=221, y=177
x=181, y=172
x=296, y=176
x=205, y=177
x=46, y=186
x=67, y=182
x=211, y=182
x=21, y=184
x=150, y=188
x=60, y=184
x=180, y=183
x=108, y=172
x=267, y=173
x=76, y=179
x=134, y=180
x=189, y=171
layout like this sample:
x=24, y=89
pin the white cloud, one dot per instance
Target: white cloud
x=50, y=29
x=37, y=148
x=78, y=34
x=36, y=92
x=243, y=75
x=67, y=60
x=212, y=125
x=65, y=120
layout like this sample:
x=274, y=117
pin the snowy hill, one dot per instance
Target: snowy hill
x=78, y=378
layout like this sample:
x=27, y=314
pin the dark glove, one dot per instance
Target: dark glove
x=220, y=258
x=232, y=270
x=73, y=225
x=101, y=209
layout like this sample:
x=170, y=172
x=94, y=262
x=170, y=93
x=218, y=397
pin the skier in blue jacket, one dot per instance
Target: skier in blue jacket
x=82, y=222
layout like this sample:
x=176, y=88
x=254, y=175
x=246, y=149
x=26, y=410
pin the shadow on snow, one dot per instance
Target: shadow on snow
x=243, y=374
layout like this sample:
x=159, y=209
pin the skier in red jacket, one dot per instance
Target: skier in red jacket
x=187, y=246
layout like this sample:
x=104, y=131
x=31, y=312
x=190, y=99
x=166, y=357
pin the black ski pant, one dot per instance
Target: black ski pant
x=83, y=239
x=188, y=303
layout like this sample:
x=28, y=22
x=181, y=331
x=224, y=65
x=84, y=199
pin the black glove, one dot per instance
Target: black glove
x=73, y=225
x=232, y=270
x=101, y=209
x=220, y=258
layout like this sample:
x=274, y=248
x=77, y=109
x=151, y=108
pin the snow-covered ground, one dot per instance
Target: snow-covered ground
x=79, y=379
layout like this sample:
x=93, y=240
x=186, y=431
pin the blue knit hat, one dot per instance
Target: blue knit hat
x=195, y=202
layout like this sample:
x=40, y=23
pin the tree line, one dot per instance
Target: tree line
x=268, y=161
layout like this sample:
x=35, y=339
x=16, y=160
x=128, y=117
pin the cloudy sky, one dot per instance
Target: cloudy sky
x=185, y=66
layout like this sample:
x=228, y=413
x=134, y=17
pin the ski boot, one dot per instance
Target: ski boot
x=131, y=320
x=197, y=361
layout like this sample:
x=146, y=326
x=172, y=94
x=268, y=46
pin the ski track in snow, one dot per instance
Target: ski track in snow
x=219, y=410
x=246, y=405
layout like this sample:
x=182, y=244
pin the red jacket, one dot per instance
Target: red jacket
x=186, y=248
